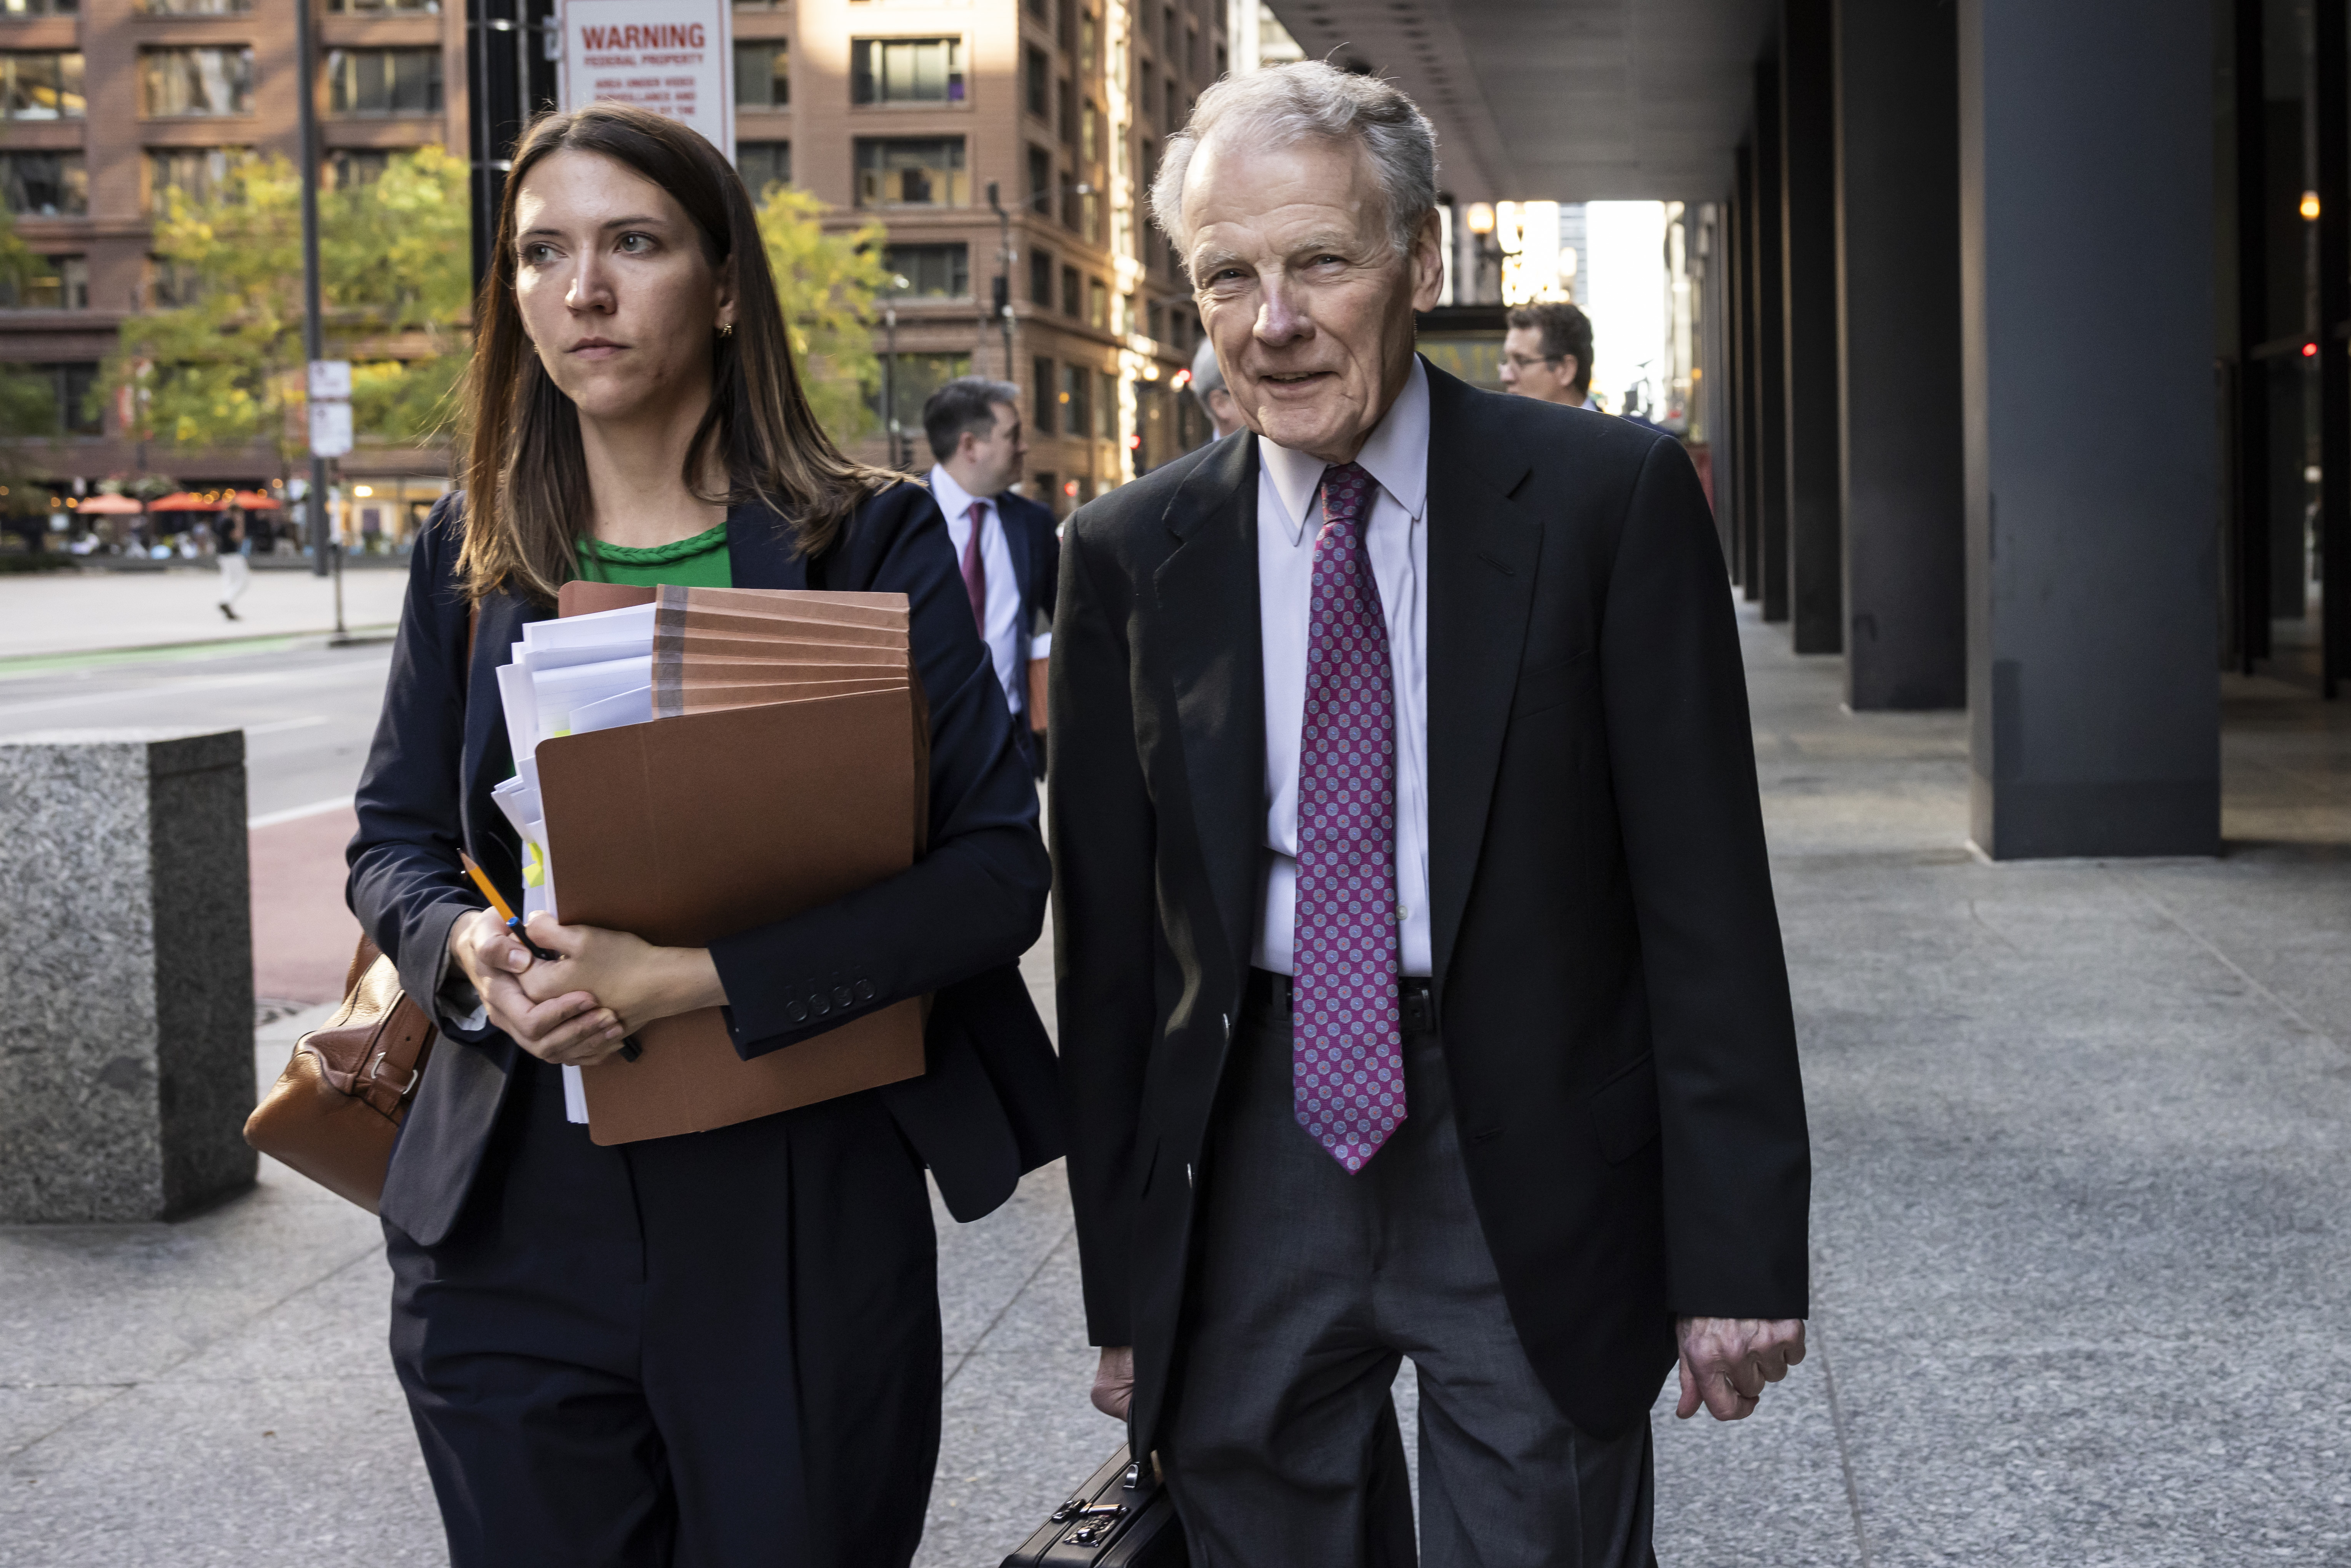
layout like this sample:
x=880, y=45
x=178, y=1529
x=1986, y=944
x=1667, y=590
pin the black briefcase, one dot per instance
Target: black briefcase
x=1121, y=1518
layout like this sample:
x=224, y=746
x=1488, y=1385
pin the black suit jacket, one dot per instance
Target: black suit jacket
x=1609, y=984
x=953, y=925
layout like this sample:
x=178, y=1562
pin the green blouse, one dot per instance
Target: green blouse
x=698, y=562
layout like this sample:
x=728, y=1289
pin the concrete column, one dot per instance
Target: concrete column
x=2086, y=240
x=1742, y=287
x=126, y=999
x=1808, y=243
x=1770, y=311
x=1905, y=489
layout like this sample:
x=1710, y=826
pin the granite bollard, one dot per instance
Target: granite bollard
x=126, y=976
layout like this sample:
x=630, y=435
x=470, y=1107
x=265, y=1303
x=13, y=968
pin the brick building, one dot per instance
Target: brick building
x=904, y=112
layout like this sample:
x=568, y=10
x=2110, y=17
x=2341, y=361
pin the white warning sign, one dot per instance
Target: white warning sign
x=673, y=56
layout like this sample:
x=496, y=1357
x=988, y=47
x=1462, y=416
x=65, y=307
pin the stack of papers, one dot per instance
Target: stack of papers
x=697, y=762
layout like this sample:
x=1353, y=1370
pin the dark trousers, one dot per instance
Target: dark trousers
x=709, y=1351
x=1309, y=1284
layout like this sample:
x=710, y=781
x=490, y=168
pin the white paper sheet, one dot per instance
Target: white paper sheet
x=563, y=692
x=629, y=707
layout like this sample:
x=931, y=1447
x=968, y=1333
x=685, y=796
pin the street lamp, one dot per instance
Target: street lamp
x=1003, y=273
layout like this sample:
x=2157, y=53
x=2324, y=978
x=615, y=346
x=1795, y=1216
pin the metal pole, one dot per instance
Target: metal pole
x=890, y=376
x=1003, y=273
x=313, y=330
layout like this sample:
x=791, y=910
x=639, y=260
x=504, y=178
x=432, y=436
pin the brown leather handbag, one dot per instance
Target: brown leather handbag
x=333, y=1113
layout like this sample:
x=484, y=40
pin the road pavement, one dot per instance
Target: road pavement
x=49, y=614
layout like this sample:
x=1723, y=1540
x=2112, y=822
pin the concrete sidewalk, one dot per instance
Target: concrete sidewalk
x=54, y=613
x=2083, y=1158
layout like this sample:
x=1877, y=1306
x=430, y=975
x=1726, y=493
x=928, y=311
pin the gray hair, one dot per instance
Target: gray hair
x=1207, y=376
x=1284, y=104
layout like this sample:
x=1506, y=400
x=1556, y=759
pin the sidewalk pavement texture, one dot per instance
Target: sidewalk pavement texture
x=2080, y=1137
x=51, y=614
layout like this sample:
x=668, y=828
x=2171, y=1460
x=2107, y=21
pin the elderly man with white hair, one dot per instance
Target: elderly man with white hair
x=1421, y=988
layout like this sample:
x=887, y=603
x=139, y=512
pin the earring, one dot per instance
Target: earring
x=727, y=329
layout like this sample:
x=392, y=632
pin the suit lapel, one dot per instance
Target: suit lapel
x=1484, y=540
x=1208, y=596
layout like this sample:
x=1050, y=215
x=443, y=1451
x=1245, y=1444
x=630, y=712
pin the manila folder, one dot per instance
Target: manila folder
x=686, y=829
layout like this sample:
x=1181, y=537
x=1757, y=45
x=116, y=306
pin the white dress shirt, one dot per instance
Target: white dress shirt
x=1288, y=516
x=1003, y=628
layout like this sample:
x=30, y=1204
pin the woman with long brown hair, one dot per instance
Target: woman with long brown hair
x=721, y=1348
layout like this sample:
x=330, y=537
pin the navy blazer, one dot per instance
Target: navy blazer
x=1034, y=539
x=953, y=925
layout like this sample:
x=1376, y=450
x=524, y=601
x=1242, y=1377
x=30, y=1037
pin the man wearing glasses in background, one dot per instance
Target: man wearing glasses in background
x=1547, y=354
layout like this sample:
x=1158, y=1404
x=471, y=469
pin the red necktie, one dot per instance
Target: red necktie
x=975, y=570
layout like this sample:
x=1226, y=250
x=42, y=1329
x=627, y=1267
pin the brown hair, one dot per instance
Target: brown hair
x=1565, y=329
x=526, y=476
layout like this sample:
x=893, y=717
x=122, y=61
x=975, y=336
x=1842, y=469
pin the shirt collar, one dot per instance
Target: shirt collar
x=954, y=500
x=1395, y=456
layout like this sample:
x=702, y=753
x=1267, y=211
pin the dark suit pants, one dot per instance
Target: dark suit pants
x=1309, y=1284
x=710, y=1351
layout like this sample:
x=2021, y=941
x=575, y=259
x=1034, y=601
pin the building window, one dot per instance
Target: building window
x=1097, y=305
x=1146, y=91
x=1089, y=216
x=1172, y=31
x=930, y=271
x=906, y=70
x=348, y=168
x=911, y=378
x=1192, y=54
x=196, y=81
x=172, y=284
x=763, y=74
x=906, y=172
x=1077, y=399
x=1089, y=130
x=378, y=8
x=193, y=7
x=198, y=172
x=383, y=81
x=1040, y=279
x=50, y=283
x=1036, y=82
x=1040, y=182
x=1072, y=305
x=1042, y=382
x=1088, y=31
x=1106, y=406
x=44, y=185
x=1042, y=9
x=1173, y=120
x=1069, y=120
x=70, y=386
x=762, y=164
x=39, y=7
x=41, y=86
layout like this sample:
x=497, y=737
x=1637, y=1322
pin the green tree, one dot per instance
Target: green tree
x=826, y=283
x=28, y=401
x=228, y=359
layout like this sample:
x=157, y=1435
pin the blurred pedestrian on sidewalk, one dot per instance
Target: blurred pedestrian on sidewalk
x=234, y=552
x=1008, y=545
x=721, y=1348
x=1208, y=386
x=1547, y=353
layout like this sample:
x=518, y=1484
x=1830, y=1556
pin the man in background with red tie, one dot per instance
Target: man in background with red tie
x=1420, y=984
x=1008, y=545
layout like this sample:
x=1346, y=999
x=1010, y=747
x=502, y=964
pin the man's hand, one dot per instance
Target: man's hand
x=1114, y=1381
x=631, y=978
x=559, y=1026
x=1726, y=1361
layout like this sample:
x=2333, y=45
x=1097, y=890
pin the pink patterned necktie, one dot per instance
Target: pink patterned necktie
x=975, y=569
x=1346, y=1061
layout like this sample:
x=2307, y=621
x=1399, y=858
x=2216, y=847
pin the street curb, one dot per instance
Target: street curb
x=268, y=642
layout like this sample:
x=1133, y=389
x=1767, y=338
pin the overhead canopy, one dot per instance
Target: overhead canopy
x=1568, y=100
x=117, y=506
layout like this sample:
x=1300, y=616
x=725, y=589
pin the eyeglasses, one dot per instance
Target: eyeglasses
x=1521, y=362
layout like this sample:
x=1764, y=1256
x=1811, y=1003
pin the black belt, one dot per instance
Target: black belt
x=1417, y=996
